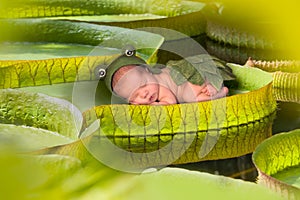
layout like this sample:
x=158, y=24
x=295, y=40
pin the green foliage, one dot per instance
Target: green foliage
x=30, y=138
x=277, y=160
x=41, y=111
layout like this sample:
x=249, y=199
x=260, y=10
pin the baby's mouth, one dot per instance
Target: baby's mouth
x=152, y=97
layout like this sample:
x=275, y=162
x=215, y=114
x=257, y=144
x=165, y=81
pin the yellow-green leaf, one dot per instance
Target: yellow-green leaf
x=40, y=111
x=277, y=161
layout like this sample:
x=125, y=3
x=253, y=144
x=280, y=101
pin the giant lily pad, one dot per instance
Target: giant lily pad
x=34, y=177
x=63, y=177
x=141, y=136
x=226, y=24
x=43, y=30
x=176, y=183
x=38, y=51
x=31, y=58
x=30, y=138
x=180, y=15
x=32, y=8
x=277, y=160
x=40, y=111
x=287, y=86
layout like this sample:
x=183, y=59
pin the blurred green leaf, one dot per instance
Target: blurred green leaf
x=277, y=161
x=30, y=138
x=175, y=183
x=40, y=111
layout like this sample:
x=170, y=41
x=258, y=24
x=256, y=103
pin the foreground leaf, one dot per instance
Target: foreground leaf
x=50, y=176
x=64, y=177
x=174, y=183
x=30, y=139
x=40, y=111
x=277, y=160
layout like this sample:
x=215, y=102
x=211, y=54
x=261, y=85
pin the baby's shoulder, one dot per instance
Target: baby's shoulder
x=164, y=72
x=163, y=76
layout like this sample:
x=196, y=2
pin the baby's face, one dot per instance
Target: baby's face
x=145, y=94
x=138, y=86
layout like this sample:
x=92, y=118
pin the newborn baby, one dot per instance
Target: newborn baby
x=193, y=79
x=139, y=86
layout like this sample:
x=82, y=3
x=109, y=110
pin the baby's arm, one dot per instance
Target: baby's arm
x=165, y=97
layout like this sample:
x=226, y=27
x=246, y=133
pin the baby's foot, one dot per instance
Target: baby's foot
x=216, y=94
x=222, y=93
x=209, y=90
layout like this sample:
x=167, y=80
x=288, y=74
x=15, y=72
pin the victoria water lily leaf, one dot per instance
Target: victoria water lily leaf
x=38, y=51
x=174, y=183
x=56, y=31
x=52, y=176
x=18, y=74
x=285, y=80
x=57, y=167
x=76, y=93
x=192, y=24
x=35, y=177
x=182, y=133
x=287, y=86
x=230, y=53
x=112, y=18
x=33, y=8
x=43, y=30
x=237, y=37
x=183, y=16
x=30, y=138
x=19, y=176
x=291, y=66
x=277, y=160
x=51, y=71
x=49, y=38
x=226, y=24
x=41, y=111
x=287, y=95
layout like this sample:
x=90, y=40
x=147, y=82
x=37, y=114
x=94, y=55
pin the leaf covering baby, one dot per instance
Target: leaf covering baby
x=192, y=79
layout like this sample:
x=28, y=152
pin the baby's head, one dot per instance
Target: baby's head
x=136, y=84
x=128, y=76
